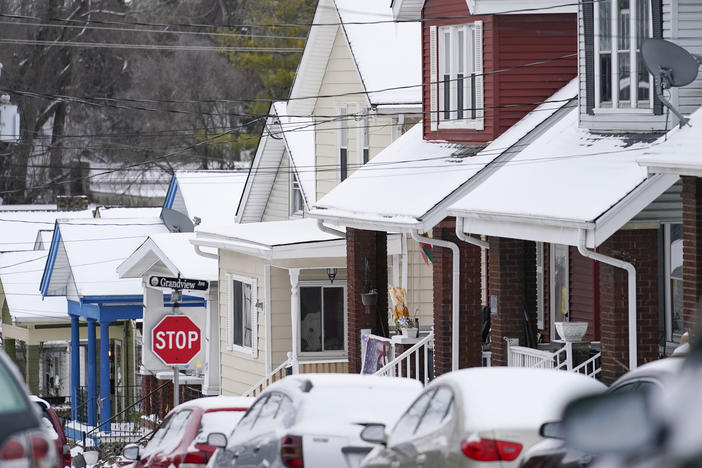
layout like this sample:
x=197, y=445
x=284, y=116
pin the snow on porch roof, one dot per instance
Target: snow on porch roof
x=213, y=196
x=411, y=183
x=566, y=180
x=388, y=55
x=89, y=251
x=680, y=155
x=175, y=252
x=20, y=275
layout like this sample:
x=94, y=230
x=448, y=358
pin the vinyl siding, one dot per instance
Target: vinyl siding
x=420, y=285
x=278, y=204
x=239, y=370
x=341, y=77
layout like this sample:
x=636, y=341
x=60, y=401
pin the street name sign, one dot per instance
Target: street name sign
x=178, y=283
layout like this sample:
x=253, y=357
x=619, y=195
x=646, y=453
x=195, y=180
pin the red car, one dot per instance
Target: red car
x=52, y=422
x=181, y=439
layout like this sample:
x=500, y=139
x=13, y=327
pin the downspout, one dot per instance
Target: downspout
x=202, y=253
x=455, y=300
x=466, y=238
x=631, y=296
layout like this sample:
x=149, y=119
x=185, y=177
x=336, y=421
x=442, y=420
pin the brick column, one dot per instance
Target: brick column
x=512, y=278
x=367, y=268
x=640, y=248
x=470, y=302
x=692, y=252
x=32, y=368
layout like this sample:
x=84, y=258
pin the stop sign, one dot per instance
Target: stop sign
x=175, y=340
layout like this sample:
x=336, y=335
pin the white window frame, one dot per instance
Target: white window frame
x=364, y=135
x=469, y=38
x=552, y=288
x=540, y=302
x=667, y=261
x=334, y=353
x=615, y=106
x=296, y=188
x=342, y=139
x=231, y=346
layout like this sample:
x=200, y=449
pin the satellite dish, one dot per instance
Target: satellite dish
x=671, y=66
x=176, y=221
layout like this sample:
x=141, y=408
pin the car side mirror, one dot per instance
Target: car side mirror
x=375, y=434
x=131, y=452
x=217, y=439
x=78, y=461
x=551, y=430
x=612, y=423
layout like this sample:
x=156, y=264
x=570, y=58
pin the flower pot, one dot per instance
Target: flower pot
x=571, y=331
x=369, y=298
x=410, y=332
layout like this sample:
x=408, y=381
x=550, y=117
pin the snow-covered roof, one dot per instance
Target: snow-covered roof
x=410, y=184
x=175, y=253
x=388, y=54
x=20, y=275
x=300, y=142
x=218, y=402
x=515, y=398
x=127, y=212
x=212, y=196
x=20, y=228
x=412, y=9
x=681, y=154
x=84, y=256
x=566, y=180
x=273, y=239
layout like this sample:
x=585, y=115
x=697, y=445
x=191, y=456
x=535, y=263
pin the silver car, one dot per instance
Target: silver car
x=475, y=417
x=314, y=420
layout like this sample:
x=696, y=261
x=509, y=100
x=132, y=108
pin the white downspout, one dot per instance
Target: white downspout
x=455, y=299
x=202, y=253
x=631, y=296
x=460, y=233
x=328, y=230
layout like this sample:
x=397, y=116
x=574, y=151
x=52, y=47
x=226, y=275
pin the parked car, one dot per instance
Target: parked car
x=53, y=426
x=472, y=416
x=23, y=440
x=553, y=452
x=642, y=429
x=181, y=439
x=315, y=421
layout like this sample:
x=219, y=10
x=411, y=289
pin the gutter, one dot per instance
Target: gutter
x=455, y=290
x=631, y=296
x=328, y=230
x=202, y=253
x=460, y=233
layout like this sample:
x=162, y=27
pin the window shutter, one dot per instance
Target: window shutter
x=230, y=313
x=657, y=23
x=479, y=103
x=254, y=319
x=433, y=78
x=589, y=44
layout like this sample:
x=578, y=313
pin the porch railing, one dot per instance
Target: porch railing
x=591, y=367
x=561, y=359
x=326, y=366
x=415, y=362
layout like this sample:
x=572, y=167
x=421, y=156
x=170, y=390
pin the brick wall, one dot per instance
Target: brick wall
x=470, y=322
x=512, y=278
x=365, y=247
x=692, y=252
x=639, y=247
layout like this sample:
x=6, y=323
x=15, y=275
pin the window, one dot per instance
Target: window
x=242, y=320
x=322, y=318
x=620, y=27
x=457, y=85
x=364, y=137
x=438, y=412
x=674, y=283
x=407, y=425
x=559, y=286
x=297, y=201
x=343, y=137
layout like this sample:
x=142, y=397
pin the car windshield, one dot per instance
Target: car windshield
x=218, y=421
x=11, y=401
x=381, y=404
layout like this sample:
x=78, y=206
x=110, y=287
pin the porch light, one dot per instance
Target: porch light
x=331, y=273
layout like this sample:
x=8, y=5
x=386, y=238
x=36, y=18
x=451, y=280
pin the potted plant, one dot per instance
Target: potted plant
x=370, y=298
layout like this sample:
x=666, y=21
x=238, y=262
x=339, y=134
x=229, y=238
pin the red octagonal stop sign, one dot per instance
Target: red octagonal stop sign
x=175, y=340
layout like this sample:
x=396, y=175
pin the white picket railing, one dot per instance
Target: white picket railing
x=275, y=375
x=561, y=359
x=412, y=363
x=326, y=366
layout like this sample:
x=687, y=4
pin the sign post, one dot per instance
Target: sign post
x=175, y=341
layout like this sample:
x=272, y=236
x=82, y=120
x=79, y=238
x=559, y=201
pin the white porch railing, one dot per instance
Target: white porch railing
x=326, y=366
x=412, y=363
x=561, y=359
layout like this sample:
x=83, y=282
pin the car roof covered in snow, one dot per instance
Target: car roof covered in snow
x=515, y=398
x=217, y=402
